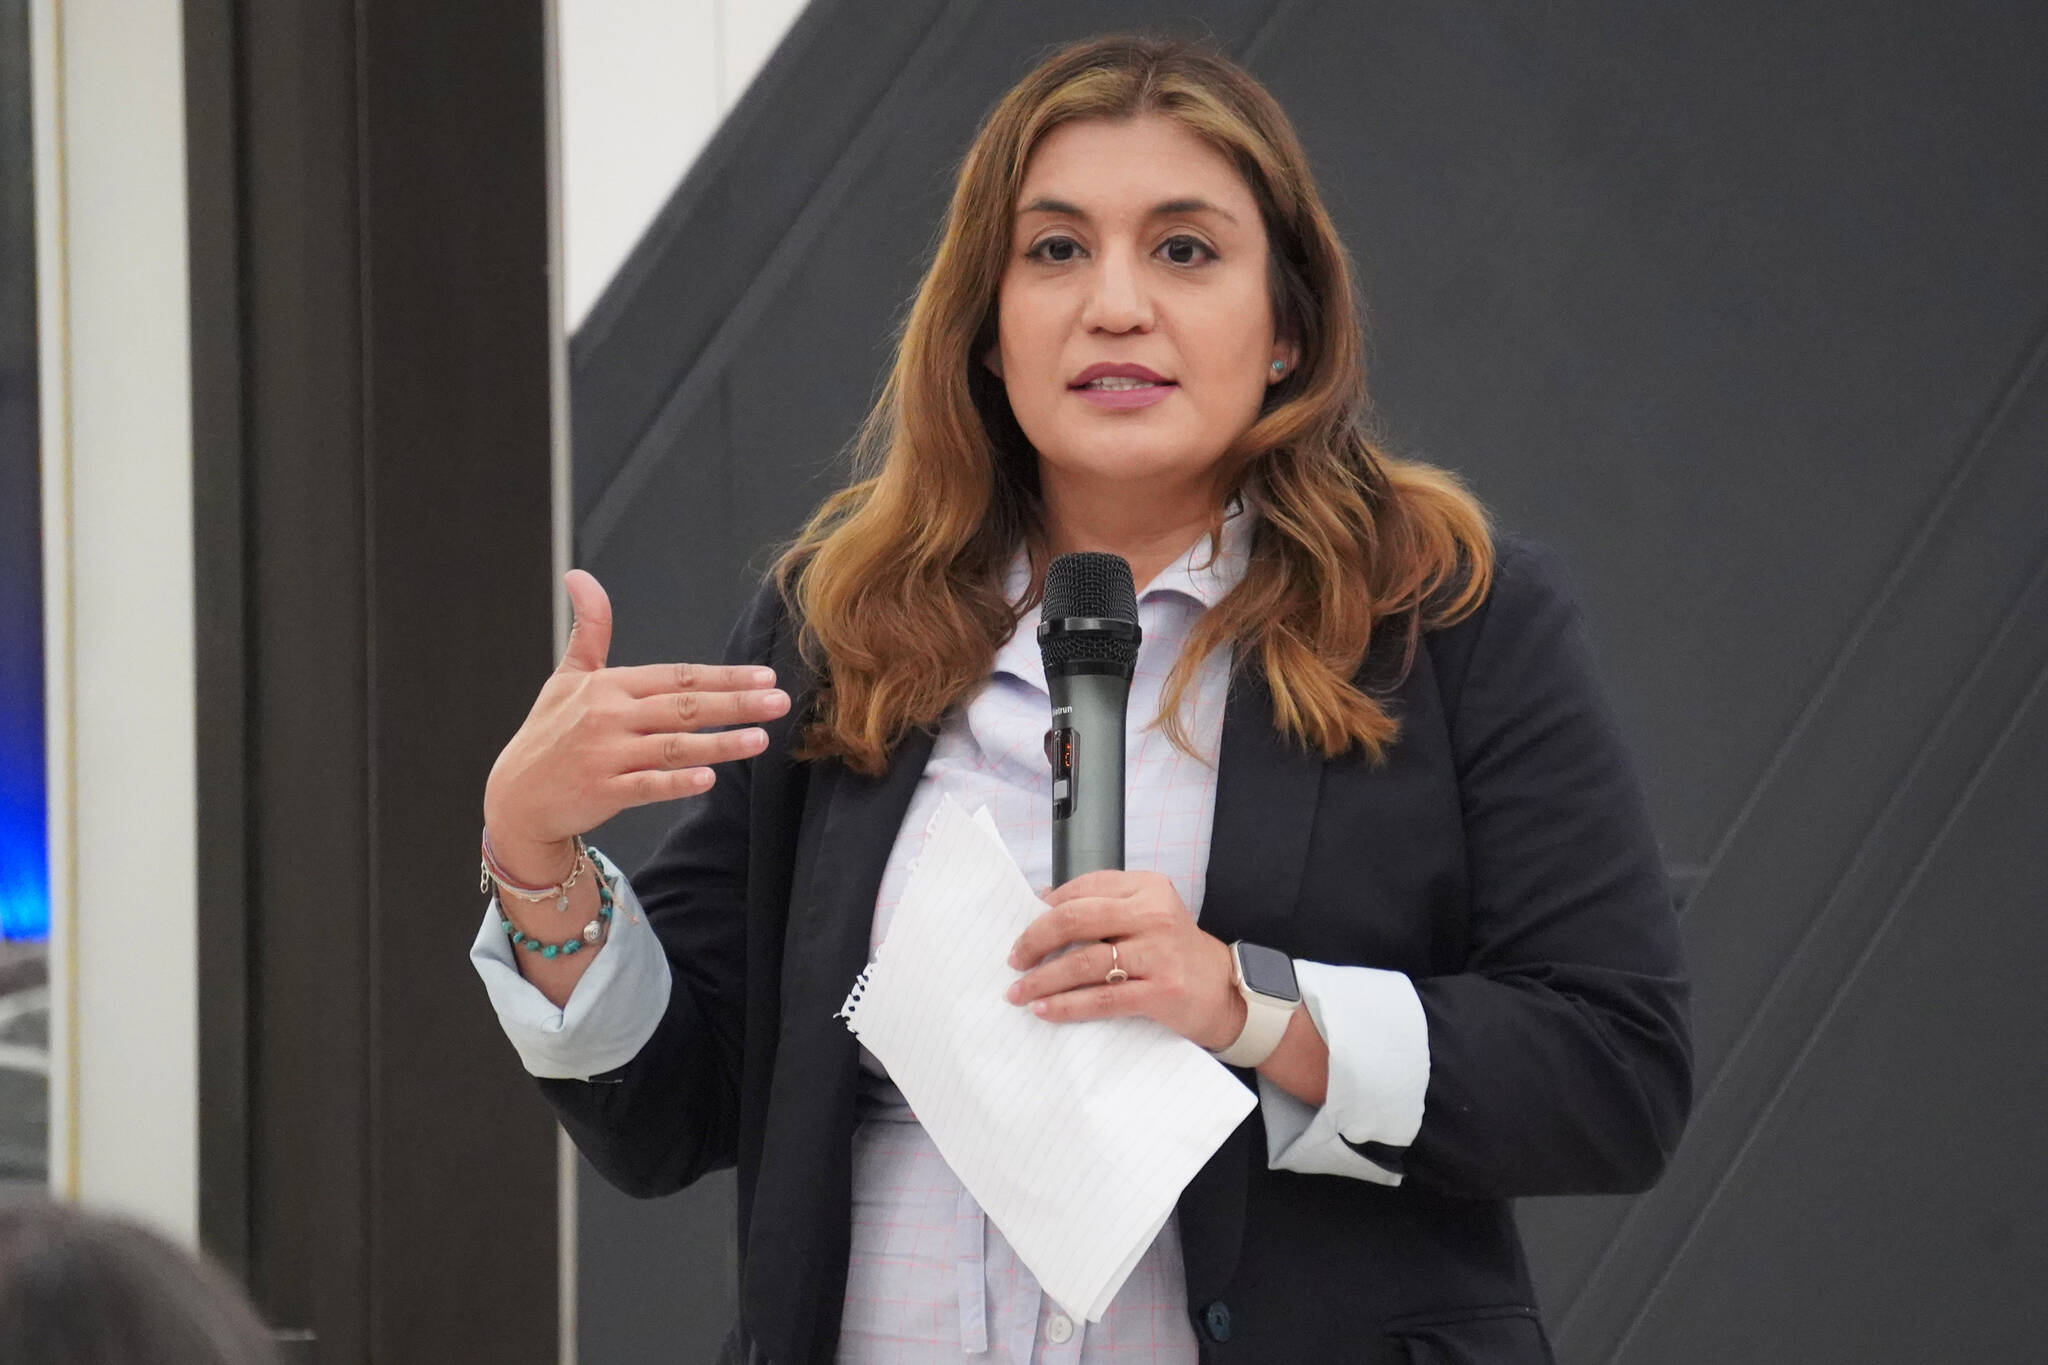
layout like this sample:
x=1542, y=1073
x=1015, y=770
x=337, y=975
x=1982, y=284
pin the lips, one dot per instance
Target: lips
x=1104, y=370
x=1115, y=388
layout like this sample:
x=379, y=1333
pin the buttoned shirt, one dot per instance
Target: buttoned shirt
x=929, y=1277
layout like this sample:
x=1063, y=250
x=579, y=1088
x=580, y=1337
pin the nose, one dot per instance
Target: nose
x=1117, y=298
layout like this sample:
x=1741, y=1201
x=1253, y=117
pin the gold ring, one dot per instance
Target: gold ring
x=1117, y=975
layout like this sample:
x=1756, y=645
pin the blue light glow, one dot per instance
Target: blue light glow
x=24, y=860
x=24, y=865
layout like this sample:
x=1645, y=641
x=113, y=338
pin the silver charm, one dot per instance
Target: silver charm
x=593, y=931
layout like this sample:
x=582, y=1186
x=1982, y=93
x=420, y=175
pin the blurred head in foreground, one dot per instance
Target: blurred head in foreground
x=83, y=1289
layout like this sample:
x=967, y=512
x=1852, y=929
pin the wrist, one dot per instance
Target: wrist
x=1236, y=1012
x=1230, y=1017
x=1271, y=998
x=532, y=862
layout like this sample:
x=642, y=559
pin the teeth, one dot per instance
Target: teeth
x=1117, y=383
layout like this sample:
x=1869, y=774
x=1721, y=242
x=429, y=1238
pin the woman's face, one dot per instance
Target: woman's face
x=1138, y=245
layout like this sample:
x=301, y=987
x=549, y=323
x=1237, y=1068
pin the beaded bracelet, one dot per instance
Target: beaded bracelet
x=593, y=932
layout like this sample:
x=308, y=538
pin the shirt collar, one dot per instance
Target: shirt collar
x=1194, y=575
x=1206, y=580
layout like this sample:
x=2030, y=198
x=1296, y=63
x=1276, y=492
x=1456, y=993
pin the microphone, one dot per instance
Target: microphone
x=1088, y=637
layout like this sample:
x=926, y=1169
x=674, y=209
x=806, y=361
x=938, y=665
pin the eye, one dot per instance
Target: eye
x=1173, y=246
x=1048, y=250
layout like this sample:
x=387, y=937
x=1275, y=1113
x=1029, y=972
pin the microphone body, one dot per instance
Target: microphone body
x=1088, y=712
x=1088, y=639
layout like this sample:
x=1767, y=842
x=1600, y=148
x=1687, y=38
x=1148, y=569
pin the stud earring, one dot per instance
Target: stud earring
x=1279, y=364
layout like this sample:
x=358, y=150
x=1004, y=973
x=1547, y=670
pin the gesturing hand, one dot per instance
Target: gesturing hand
x=1178, y=975
x=601, y=739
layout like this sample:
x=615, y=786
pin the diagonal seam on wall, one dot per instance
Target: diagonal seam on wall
x=639, y=335
x=1809, y=731
x=701, y=377
x=1627, y=1255
x=729, y=141
x=1810, y=1033
x=2033, y=359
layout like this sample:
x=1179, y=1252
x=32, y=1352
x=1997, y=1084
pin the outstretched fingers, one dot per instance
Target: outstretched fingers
x=649, y=786
x=666, y=767
x=686, y=750
x=653, y=680
x=665, y=712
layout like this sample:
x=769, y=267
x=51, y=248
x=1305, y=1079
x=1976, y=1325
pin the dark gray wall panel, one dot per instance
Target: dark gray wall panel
x=1745, y=309
x=1791, y=884
x=1877, y=1211
x=1715, y=296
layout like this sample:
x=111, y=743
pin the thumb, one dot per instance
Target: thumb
x=590, y=634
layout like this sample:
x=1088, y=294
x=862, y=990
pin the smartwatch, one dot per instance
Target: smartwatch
x=1265, y=978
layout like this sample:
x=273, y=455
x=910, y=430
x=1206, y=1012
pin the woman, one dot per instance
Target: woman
x=1380, y=759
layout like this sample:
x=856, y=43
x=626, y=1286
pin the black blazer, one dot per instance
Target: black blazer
x=1502, y=857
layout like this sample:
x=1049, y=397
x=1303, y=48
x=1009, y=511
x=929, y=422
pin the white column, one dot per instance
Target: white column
x=117, y=515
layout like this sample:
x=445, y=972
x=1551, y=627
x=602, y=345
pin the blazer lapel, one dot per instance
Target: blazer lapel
x=831, y=914
x=1266, y=791
x=796, y=1265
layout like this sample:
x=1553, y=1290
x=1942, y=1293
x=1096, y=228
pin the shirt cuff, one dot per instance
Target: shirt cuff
x=613, y=1010
x=1372, y=1021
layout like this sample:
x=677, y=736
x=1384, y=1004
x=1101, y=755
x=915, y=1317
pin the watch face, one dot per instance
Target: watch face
x=1268, y=971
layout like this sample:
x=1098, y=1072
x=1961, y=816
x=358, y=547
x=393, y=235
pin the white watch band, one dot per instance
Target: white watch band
x=1265, y=1024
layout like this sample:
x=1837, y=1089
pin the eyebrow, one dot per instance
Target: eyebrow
x=1161, y=210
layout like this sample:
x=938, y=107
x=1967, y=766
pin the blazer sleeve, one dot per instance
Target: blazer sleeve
x=1560, y=1057
x=672, y=1113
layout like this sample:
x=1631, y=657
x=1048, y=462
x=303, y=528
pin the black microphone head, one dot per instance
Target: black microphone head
x=1090, y=584
x=1096, y=588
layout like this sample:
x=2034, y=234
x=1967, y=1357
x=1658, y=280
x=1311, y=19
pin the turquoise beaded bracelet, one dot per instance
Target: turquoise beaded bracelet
x=593, y=932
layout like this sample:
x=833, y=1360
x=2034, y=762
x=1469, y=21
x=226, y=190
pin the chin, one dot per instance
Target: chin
x=1122, y=466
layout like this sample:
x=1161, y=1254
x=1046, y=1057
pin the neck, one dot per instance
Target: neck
x=1149, y=531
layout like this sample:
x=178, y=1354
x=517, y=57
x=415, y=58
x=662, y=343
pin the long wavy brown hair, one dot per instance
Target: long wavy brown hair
x=898, y=578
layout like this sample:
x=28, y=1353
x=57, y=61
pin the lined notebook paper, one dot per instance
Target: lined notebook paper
x=1078, y=1138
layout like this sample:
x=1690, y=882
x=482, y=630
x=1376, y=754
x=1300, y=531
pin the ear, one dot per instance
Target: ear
x=993, y=360
x=1288, y=354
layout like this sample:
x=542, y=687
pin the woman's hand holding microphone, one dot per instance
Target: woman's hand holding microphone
x=597, y=741
x=1173, y=972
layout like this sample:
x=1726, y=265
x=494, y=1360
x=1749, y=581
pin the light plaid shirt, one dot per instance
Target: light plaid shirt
x=930, y=1279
